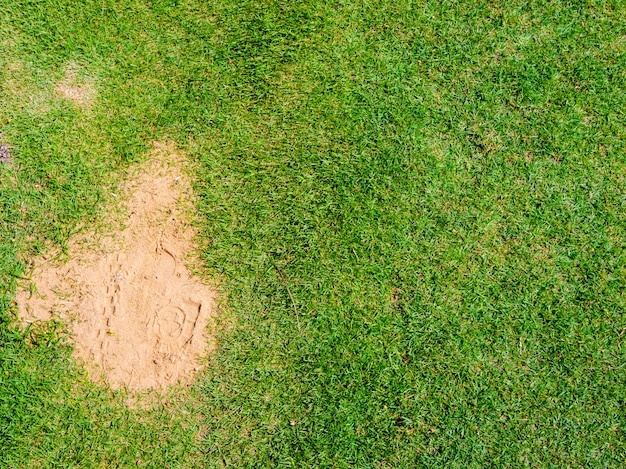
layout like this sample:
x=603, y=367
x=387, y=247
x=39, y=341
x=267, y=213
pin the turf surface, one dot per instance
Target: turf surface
x=415, y=210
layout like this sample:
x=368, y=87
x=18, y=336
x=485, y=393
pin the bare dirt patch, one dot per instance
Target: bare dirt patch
x=137, y=313
x=72, y=87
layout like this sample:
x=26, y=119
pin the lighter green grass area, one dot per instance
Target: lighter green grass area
x=416, y=213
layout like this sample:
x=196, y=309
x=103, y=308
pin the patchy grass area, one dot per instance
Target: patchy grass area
x=416, y=211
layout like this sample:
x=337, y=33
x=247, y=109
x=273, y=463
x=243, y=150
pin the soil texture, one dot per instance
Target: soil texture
x=137, y=313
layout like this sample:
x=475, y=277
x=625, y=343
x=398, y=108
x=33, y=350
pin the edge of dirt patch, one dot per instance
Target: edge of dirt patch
x=137, y=314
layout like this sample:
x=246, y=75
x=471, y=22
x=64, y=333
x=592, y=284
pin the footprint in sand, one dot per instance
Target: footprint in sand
x=143, y=319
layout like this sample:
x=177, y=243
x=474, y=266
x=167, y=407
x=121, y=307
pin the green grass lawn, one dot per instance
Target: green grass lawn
x=416, y=212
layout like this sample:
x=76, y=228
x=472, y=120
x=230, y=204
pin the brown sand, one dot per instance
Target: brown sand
x=137, y=314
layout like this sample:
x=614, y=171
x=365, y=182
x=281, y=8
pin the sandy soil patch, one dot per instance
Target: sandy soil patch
x=80, y=92
x=137, y=314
